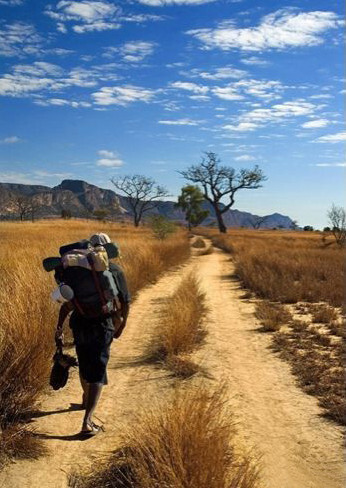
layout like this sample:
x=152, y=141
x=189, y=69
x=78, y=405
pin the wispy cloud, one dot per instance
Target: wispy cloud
x=332, y=138
x=265, y=89
x=10, y=140
x=122, y=95
x=109, y=159
x=179, y=122
x=222, y=73
x=330, y=165
x=190, y=87
x=315, y=124
x=132, y=51
x=39, y=77
x=11, y=3
x=245, y=157
x=85, y=16
x=277, y=113
x=283, y=29
x=162, y=3
x=254, y=61
x=19, y=39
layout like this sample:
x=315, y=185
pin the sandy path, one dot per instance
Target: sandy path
x=299, y=449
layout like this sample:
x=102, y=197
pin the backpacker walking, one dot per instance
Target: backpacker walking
x=100, y=307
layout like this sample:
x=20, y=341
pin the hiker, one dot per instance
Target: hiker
x=92, y=338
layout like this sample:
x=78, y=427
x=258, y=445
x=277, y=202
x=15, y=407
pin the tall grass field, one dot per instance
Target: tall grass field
x=28, y=315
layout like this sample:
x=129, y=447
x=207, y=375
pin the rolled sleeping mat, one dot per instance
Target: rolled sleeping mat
x=83, y=244
x=49, y=264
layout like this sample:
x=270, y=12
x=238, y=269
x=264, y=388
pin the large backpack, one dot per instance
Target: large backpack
x=85, y=269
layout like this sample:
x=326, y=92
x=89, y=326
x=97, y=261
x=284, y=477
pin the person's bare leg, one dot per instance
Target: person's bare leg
x=94, y=392
x=85, y=387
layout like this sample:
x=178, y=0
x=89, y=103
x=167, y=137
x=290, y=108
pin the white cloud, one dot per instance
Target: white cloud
x=11, y=3
x=85, y=15
x=109, y=159
x=122, y=95
x=283, y=29
x=254, y=61
x=223, y=73
x=315, y=124
x=33, y=79
x=277, y=113
x=321, y=96
x=242, y=127
x=245, y=157
x=179, y=122
x=257, y=88
x=19, y=39
x=193, y=87
x=10, y=140
x=60, y=102
x=162, y=3
x=332, y=138
x=227, y=93
x=136, y=51
x=337, y=165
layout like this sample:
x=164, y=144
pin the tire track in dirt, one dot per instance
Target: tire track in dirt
x=299, y=448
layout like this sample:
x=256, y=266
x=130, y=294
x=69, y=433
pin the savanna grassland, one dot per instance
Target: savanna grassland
x=197, y=375
x=298, y=278
x=28, y=315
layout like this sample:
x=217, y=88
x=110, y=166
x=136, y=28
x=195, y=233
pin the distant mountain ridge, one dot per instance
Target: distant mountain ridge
x=82, y=199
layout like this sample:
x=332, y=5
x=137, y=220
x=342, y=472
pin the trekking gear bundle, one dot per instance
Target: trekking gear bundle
x=83, y=277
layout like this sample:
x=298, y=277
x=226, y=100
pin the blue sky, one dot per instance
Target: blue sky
x=93, y=89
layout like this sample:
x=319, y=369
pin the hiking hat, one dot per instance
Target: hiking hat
x=100, y=239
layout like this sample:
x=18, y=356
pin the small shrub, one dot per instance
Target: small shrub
x=161, y=226
x=181, y=329
x=323, y=314
x=272, y=315
x=186, y=442
x=198, y=242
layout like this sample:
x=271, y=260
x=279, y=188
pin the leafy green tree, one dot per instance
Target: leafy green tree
x=190, y=201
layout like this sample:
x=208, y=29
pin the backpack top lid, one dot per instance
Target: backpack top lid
x=83, y=244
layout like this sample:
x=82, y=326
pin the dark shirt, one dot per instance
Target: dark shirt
x=120, y=281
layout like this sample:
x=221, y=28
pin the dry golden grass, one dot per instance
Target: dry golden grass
x=187, y=442
x=317, y=361
x=323, y=314
x=285, y=266
x=180, y=330
x=272, y=315
x=27, y=314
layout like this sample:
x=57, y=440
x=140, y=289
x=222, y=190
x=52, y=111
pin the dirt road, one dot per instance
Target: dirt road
x=299, y=449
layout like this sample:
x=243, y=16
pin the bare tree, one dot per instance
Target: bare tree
x=34, y=206
x=21, y=205
x=219, y=181
x=257, y=222
x=337, y=220
x=143, y=194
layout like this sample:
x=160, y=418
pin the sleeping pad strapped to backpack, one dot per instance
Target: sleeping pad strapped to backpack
x=86, y=270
